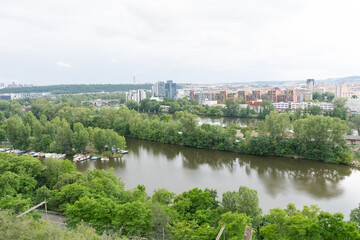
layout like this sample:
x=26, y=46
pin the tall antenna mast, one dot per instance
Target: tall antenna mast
x=134, y=79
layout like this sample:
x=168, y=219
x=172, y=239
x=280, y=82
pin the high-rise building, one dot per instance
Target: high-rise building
x=170, y=89
x=310, y=84
x=159, y=89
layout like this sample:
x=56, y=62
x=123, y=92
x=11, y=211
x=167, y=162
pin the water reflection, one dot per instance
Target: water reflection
x=278, y=180
x=318, y=179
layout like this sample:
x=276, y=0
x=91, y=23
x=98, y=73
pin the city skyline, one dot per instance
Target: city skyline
x=66, y=42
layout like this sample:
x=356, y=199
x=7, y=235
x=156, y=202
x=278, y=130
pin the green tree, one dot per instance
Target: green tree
x=63, y=137
x=275, y=125
x=315, y=110
x=232, y=108
x=245, y=200
x=134, y=217
x=355, y=215
x=163, y=196
x=80, y=137
x=235, y=224
x=266, y=107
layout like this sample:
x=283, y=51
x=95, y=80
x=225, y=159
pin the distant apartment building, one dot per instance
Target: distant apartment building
x=353, y=105
x=221, y=96
x=256, y=95
x=243, y=95
x=136, y=95
x=170, y=89
x=287, y=96
x=158, y=89
x=255, y=105
x=191, y=94
x=232, y=95
x=271, y=95
x=295, y=105
x=204, y=96
x=310, y=84
x=14, y=96
x=343, y=91
x=303, y=96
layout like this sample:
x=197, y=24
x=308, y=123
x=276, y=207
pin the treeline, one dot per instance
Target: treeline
x=99, y=198
x=77, y=88
x=61, y=127
x=57, y=135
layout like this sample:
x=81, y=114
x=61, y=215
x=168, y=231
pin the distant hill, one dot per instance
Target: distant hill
x=340, y=80
x=77, y=88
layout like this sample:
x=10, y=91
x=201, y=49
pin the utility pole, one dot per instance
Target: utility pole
x=248, y=233
x=46, y=213
x=220, y=232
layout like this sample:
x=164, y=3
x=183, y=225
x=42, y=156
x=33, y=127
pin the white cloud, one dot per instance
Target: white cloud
x=63, y=64
x=259, y=39
x=113, y=60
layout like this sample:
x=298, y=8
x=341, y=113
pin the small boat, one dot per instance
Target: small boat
x=104, y=159
x=124, y=152
x=94, y=158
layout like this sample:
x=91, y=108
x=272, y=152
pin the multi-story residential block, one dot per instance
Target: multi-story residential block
x=295, y=105
x=221, y=96
x=353, y=105
x=204, y=96
x=255, y=95
x=271, y=95
x=243, y=95
x=287, y=96
x=343, y=91
x=136, y=95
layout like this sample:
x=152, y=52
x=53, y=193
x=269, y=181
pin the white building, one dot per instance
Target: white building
x=353, y=105
x=136, y=95
x=158, y=89
x=293, y=106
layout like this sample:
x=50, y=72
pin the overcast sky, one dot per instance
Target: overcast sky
x=197, y=41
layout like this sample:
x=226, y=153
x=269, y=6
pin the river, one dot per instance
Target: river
x=279, y=181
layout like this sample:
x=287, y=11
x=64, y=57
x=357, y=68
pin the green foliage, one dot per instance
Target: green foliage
x=245, y=200
x=98, y=198
x=107, y=138
x=28, y=228
x=355, y=215
x=266, y=107
x=327, y=97
x=54, y=168
x=306, y=224
x=260, y=145
x=321, y=138
x=275, y=125
x=163, y=196
x=235, y=224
